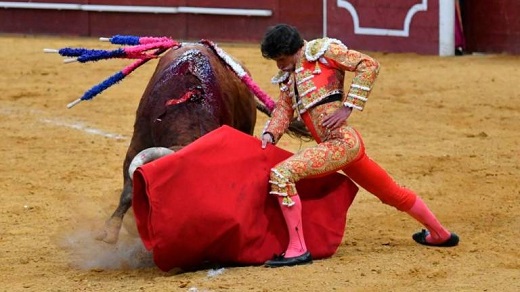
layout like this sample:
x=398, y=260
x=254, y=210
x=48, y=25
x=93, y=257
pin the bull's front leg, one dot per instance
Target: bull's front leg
x=112, y=227
x=110, y=232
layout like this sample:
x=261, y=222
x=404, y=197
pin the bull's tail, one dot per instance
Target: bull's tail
x=261, y=107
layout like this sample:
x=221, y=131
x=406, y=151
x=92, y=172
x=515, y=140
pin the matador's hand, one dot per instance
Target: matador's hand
x=337, y=118
x=266, y=138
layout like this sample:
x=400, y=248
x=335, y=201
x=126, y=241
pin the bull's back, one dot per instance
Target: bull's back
x=230, y=102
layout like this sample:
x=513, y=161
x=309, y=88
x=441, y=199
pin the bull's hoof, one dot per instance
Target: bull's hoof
x=129, y=224
x=110, y=234
x=105, y=236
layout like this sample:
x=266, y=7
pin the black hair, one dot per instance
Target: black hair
x=281, y=40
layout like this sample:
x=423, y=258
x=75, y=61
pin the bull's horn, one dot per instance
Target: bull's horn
x=147, y=155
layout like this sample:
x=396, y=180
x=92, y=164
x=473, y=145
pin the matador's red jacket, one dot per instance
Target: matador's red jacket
x=319, y=73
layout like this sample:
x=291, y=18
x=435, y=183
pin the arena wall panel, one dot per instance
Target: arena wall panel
x=229, y=27
x=43, y=21
x=32, y=22
x=307, y=17
x=382, y=25
x=107, y=24
x=492, y=26
x=421, y=26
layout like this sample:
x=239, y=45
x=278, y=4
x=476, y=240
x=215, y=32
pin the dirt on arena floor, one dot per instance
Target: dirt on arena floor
x=447, y=127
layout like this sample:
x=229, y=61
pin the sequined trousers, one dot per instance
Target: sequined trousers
x=341, y=149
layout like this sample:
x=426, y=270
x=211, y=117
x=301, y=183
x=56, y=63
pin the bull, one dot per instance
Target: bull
x=191, y=93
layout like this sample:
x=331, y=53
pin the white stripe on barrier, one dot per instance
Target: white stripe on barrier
x=423, y=6
x=138, y=9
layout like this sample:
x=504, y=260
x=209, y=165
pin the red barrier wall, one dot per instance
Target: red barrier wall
x=184, y=26
x=31, y=21
x=376, y=25
x=491, y=26
x=380, y=25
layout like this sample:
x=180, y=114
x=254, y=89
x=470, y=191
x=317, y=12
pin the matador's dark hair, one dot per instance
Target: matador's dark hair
x=281, y=40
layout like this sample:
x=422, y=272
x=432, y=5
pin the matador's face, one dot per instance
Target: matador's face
x=287, y=63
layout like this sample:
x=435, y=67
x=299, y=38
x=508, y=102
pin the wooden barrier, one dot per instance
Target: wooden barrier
x=421, y=26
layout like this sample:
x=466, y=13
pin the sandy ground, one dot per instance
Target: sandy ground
x=444, y=126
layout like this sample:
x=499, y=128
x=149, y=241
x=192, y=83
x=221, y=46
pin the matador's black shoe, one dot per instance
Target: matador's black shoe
x=420, y=237
x=282, y=261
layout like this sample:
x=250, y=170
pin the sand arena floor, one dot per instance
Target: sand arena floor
x=444, y=126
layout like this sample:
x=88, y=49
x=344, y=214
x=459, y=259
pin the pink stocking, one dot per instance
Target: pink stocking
x=422, y=213
x=293, y=220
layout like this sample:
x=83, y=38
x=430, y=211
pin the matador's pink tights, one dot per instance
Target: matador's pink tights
x=293, y=220
x=370, y=176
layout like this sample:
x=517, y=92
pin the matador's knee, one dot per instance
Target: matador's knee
x=282, y=185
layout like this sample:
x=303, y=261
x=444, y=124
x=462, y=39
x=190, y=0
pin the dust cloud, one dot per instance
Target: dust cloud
x=88, y=253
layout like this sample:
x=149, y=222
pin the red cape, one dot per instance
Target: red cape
x=209, y=202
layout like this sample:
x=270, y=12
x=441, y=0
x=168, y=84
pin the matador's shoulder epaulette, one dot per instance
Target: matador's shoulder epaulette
x=315, y=49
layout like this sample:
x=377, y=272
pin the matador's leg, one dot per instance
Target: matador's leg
x=370, y=176
x=323, y=159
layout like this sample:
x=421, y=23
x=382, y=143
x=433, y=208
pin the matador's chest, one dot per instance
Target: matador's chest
x=310, y=83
